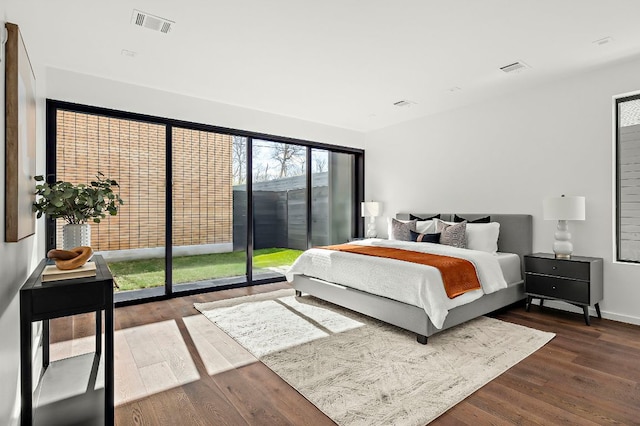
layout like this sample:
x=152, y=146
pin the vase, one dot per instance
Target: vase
x=76, y=235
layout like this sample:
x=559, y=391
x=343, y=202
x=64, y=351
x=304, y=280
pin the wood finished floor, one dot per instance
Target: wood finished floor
x=585, y=375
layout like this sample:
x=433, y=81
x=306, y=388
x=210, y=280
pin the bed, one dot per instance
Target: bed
x=515, y=237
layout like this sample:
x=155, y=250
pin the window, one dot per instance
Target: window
x=628, y=178
x=205, y=207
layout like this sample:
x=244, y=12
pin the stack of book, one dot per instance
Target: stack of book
x=52, y=273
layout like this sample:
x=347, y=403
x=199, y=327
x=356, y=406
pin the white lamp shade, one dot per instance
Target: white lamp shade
x=564, y=208
x=370, y=209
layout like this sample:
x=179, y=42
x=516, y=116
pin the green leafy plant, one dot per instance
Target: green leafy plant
x=77, y=204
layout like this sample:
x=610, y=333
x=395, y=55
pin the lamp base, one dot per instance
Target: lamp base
x=562, y=245
x=371, y=228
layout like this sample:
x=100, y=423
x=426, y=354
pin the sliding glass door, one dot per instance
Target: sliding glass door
x=279, y=200
x=332, y=197
x=204, y=207
x=131, y=152
x=208, y=231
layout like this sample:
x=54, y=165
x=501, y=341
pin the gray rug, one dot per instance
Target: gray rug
x=360, y=371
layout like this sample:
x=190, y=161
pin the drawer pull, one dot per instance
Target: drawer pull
x=554, y=267
x=554, y=287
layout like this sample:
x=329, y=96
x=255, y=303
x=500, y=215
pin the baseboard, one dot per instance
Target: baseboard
x=621, y=318
x=592, y=311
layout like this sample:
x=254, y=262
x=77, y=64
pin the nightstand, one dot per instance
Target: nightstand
x=577, y=280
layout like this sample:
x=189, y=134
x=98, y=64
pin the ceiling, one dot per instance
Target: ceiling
x=338, y=62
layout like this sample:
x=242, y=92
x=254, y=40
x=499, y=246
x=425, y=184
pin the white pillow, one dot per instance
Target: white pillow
x=483, y=236
x=425, y=227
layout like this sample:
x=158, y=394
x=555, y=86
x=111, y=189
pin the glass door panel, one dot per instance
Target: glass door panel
x=209, y=209
x=332, y=198
x=279, y=206
x=132, y=153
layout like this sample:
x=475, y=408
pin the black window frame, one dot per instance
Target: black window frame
x=618, y=153
x=143, y=296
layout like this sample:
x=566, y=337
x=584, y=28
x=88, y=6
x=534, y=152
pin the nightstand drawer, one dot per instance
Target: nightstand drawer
x=574, y=291
x=558, y=268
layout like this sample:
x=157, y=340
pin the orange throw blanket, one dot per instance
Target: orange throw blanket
x=458, y=275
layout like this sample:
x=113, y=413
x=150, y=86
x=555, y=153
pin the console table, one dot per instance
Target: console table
x=44, y=301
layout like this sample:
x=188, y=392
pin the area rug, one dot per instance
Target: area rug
x=360, y=371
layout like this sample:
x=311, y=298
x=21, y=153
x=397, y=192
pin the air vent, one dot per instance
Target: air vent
x=515, y=67
x=603, y=41
x=155, y=23
x=403, y=103
x=129, y=53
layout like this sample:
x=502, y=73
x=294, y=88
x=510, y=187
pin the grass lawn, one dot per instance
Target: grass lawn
x=143, y=273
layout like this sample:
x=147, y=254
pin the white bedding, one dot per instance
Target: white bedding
x=407, y=282
x=511, y=266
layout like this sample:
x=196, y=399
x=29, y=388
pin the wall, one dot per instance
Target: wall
x=91, y=90
x=16, y=262
x=507, y=156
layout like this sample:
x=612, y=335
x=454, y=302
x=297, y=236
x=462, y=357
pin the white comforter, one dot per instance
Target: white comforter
x=407, y=282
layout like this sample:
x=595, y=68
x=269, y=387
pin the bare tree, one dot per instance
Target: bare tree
x=290, y=158
x=239, y=160
x=261, y=172
x=282, y=160
x=320, y=163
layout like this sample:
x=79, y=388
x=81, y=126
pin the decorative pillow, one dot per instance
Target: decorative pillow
x=483, y=236
x=390, y=226
x=485, y=219
x=425, y=238
x=401, y=230
x=426, y=218
x=452, y=235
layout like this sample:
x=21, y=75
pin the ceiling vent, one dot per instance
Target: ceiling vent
x=603, y=41
x=128, y=53
x=403, y=103
x=515, y=67
x=155, y=23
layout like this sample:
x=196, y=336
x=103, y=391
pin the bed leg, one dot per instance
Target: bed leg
x=298, y=293
x=422, y=339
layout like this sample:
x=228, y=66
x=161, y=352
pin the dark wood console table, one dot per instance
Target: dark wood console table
x=44, y=301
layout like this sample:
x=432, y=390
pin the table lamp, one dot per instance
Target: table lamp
x=371, y=209
x=563, y=209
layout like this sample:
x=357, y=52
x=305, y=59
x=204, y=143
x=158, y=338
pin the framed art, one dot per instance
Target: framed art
x=20, y=138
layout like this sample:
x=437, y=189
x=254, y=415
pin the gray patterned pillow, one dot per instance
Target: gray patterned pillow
x=401, y=230
x=452, y=235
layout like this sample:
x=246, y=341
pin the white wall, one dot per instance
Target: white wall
x=506, y=156
x=17, y=260
x=69, y=86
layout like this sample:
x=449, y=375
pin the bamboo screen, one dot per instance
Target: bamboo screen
x=134, y=154
x=202, y=188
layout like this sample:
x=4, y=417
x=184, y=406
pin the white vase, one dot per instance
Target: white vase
x=76, y=235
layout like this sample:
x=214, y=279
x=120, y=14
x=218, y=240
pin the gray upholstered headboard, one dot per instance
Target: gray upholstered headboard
x=516, y=230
